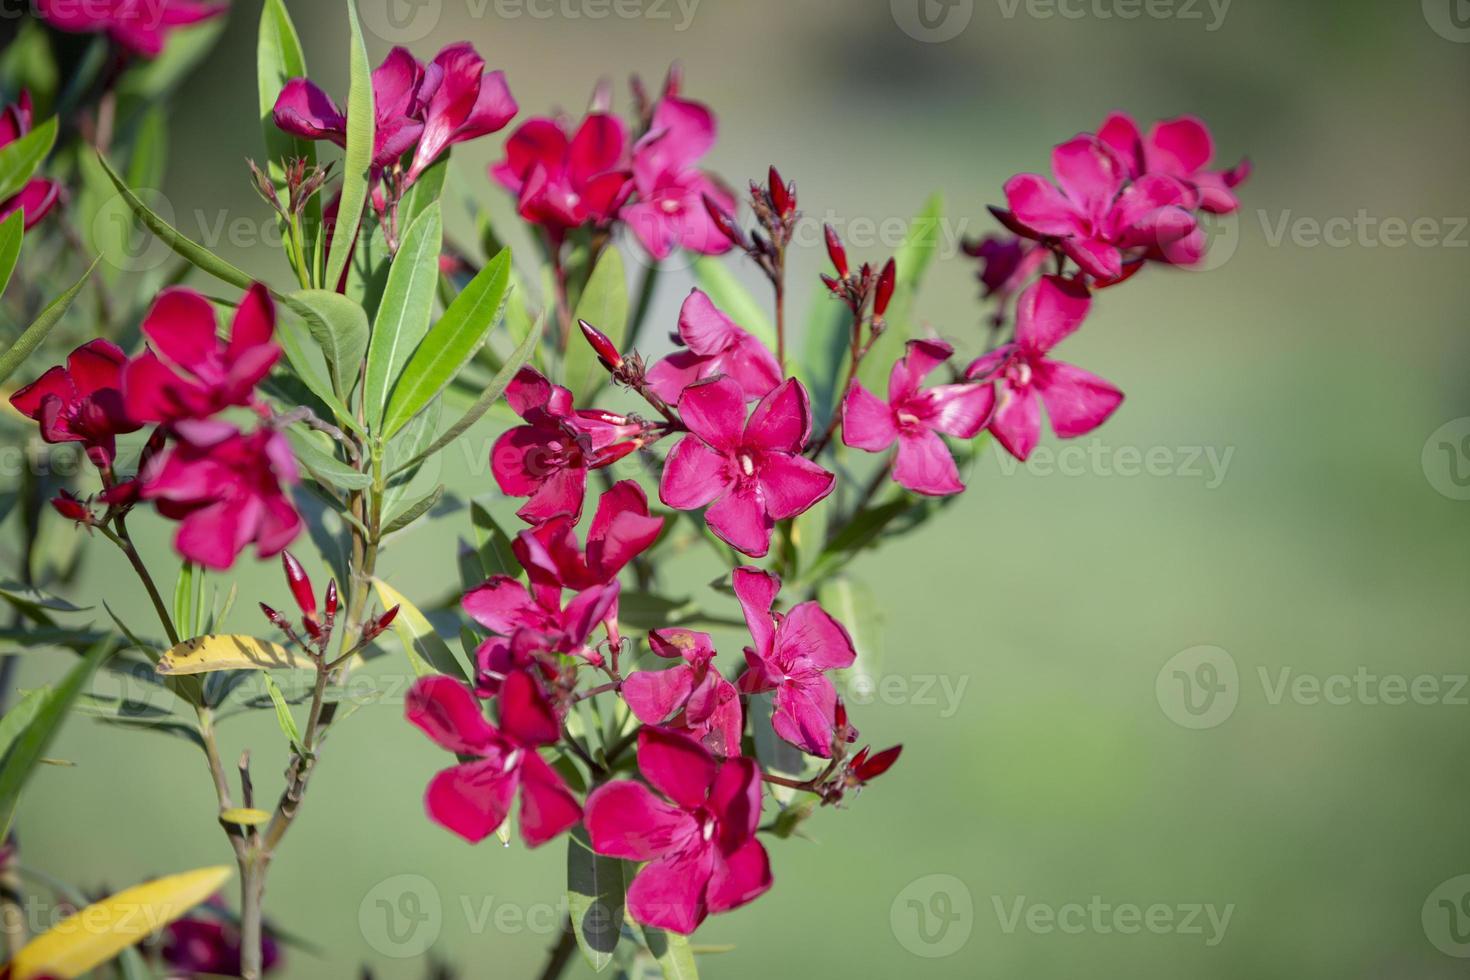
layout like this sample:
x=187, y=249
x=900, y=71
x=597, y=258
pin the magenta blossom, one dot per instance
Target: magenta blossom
x=1180, y=148
x=1076, y=402
x=1098, y=214
x=691, y=696
x=547, y=459
x=791, y=656
x=698, y=839
x=621, y=530
x=530, y=623
x=474, y=798
x=916, y=417
x=138, y=26
x=418, y=108
x=39, y=195
x=225, y=489
x=209, y=947
x=81, y=402
x=751, y=473
x=1007, y=263
x=715, y=345
x=563, y=181
x=188, y=372
x=670, y=211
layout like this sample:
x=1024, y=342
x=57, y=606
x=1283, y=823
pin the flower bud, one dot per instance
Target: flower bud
x=71, y=507
x=296, y=577
x=607, y=352
x=331, y=599
x=277, y=620
x=782, y=198
x=612, y=454
x=885, y=288
x=377, y=626
x=865, y=768
x=723, y=221
x=835, y=251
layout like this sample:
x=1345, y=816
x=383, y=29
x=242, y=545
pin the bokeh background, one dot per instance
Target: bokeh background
x=1037, y=638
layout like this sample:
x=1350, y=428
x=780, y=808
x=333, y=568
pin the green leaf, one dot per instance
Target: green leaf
x=413, y=511
x=604, y=304
x=28, y=341
x=672, y=952
x=716, y=279
x=278, y=59
x=19, y=717
x=404, y=314
x=148, y=161
x=357, y=159
x=426, y=191
x=12, y=232
x=20, y=159
x=324, y=467
x=449, y=344
x=283, y=714
x=775, y=753
x=427, y=652
x=856, y=608
x=596, y=889
x=340, y=328
x=488, y=397
x=493, y=544
x=194, y=253
x=184, y=600
x=30, y=597
x=31, y=744
x=859, y=533
x=288, y=335
x=27, y=63
x=825, y=354
x=910, y=264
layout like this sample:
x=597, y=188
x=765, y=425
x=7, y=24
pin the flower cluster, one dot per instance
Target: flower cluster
x=137, y=27
x=223, y=485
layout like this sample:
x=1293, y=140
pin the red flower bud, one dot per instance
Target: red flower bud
x=612, y=454
x=277, y=620
x=840, y=715
x=835, y=251
x=371, y=631
x=865, y=768
x=331, y=599
x=885, y=289
x=723, y=221
x=781, y=198
x=603, y=345
x=71, y=507
x=300, y=584
x=834, y=285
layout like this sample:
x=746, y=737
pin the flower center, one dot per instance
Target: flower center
x=747, y=464
x=907, y=419
x=670, y=206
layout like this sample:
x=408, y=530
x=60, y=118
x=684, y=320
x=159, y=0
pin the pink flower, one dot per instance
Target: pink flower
x=691, y=696
x=915, y=417
x=670, y=210
x=1097, y=214
x=82, y=401
x=547, y=459
x=751, y=473
x=564, y=181
x=1007, y=263
x=1180, y=148
x=533, y=624
x=189, y=372
x=474, y=798
x=1076, y=402
x=716, y=345
x=225, y=489
x=39, y=195
x=621, y=530
x=698, y=839
x=139, y=26
x=462, y=101
x=791, y=656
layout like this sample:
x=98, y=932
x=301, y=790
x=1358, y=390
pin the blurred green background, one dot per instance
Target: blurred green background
x=1048, y=601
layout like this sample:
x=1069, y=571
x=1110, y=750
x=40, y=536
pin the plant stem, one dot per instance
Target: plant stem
x=561, y=954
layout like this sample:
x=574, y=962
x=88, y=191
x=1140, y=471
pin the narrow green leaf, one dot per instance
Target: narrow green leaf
x=19, y=160
x=324, y=467
x=25, y=595
x=357, y=159
x=672, y=952
x=426, y=191
x=488, y=397
x=604, y=304
x=404, y=314
x=278, y=59
x=910, y=263
x=449, y=344
x=858, y=534
x=184, y=600
x=30, y=339
x=716, y=279
x=427, y=652
x=149, y=159
x=413, y=511
x=596, y=889
x=194, y=253
x=19, y=717
x=12, y=233
x=288, y=335
x=283, y=714
x=31, y=744
x=340, y=328
x=492, y=543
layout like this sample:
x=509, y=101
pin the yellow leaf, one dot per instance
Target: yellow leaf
x=246, y=817
x=83, y=941
x=206, y=653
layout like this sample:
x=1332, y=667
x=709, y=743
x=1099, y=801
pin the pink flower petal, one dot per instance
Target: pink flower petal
x=501, y=605
x=812, y=633
x=676, y=765
x=181, y=325
x=1076, y=401
x=867, y=422
x=302, y=109
x=805, y=714
x=1089, y=173
x=958, y=410
x=920, y=359
x=792, y=484
x=443, y=709
x=548, y=808
x=740, y=519
x=735, y=800
x=714, y=410
x=782, y=420
x=757, y=590
x=694, y=475
x=625, y=820
x=1016, y=423
x=472, y=800
x=1049, y=311
x=925, y=465
x=1040, y=207
x=526, y=717
x=1179, y=147
x=739, y=877
x=654, y=695
x=669, y=893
